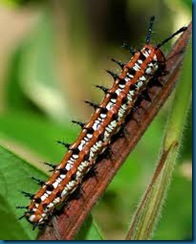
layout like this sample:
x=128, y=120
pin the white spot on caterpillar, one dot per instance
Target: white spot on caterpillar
x=43, y=197
x=113, y=100
x=75, y=156
x=99, y=119
x=135, y=68
x=145, y=54
x=89, y=136
x=79, y=168
x=80, y=146
x=32, y=218
x=94, y=148
x=121, y=112
x=50, y=205
x=142, y=78
x=129, y=97
x=126, y=79
x=99, y=143
x=86, y=139
x=131, y=76
x=43, y=215
x=106, y=134
x=102, y=115
x=148, y=71
x=57, y=200
x=136, y=65
x=109, y=106
x=108, y=129
x=68, y=166
x=91, y=155
x=96, y=125
x=124, y=106
x=114, y=123
x=71, y=184
x=63, y=193
x=58, y=180
x=139, y=84
x=55, y=184
x=85, y=163
x=78, y=174
x=131, y=92
x=40, y=220
x=118, y=91
x=62, y=176
x=71, y=162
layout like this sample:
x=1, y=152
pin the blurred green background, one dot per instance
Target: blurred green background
x=52, y=55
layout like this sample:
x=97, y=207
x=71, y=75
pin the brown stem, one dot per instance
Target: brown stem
x=69, y=222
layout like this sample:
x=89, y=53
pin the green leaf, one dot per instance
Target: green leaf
x=15, y=97
x=37, y=133
x=32, y=78
x=89, y=231
x=189, y=4
x=176, y=221
x=18, y=3
x=15, y=176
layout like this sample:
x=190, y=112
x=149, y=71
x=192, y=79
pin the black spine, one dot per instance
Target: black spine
x=94, y=105
x=81, y=124
x=27, y=194
x=129, y=48
x=53, y=166
x=40, y=182
x=104, y=89
x=67, y=145
x=118, y=62
x=115, y=76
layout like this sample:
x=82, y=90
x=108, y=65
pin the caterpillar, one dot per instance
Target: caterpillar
x=95, y=137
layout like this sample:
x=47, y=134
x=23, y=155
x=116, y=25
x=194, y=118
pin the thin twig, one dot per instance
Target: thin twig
x=69, y=222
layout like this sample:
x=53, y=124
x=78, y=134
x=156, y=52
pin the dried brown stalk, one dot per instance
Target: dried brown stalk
x=69, y=222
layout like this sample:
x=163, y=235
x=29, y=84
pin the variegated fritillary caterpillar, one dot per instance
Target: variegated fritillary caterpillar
x=96, y=135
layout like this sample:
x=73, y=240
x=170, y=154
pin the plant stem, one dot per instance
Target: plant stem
x=150, y=207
